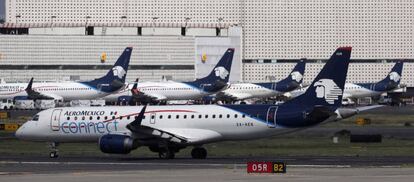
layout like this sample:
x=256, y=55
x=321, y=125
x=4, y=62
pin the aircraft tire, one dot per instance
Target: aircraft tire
x=166, y=154
x=53, y=155
x=199, y=153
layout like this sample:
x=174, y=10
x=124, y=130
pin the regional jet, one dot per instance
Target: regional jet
x=113, y=81
x=361, y=90
x=168, y=129
x=243, y=91
x=148, y=92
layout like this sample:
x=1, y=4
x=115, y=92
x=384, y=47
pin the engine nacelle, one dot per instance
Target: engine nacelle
x=116, y=144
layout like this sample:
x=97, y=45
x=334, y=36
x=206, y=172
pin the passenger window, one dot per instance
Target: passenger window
x=160, y=116
x=113, y=117
x=185, y=116
x=68, y=118
x=169, y=116
x=129, y=117
x=214, y=116
x=152, y=116
x=90, y=118
x=76, y=118
x=83, y=118
x=106, y=117
x=243, y=116
x=192, y=116
x=235, y=116
x=228, y=115
x=220, y=116
x=120, y=117
x=178, y=116
x=206, y=115
x=98, y=118
x=199, y=116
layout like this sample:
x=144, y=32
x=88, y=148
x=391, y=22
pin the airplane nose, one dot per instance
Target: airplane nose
x=19, y=132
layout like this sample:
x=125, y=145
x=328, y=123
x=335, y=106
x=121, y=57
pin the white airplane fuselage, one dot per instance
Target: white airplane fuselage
x=351, y=91
x=357, y=91
x=166, y=90
x=58, y=90
x=86, y=124
x=242, y=91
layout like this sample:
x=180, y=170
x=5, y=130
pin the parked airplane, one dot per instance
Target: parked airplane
x=147, y=92
x=66, y=91
x=242, y=91
x=167, y=129
x=361, y=90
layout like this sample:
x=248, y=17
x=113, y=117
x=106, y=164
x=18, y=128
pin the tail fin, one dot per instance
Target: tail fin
x=294, y=79
x=115, y=78
x=297, y=73
x=218, y=77
x=222, y=70
x=394, y=76
x=327, y=88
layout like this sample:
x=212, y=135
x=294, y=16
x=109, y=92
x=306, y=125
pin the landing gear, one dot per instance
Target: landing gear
x=199, y=153
x=54, y=151
x=166, y=154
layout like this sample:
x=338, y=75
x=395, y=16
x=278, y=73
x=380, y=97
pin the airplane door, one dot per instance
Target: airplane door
x=271, y=116
x=55, y=120
x=152, y=118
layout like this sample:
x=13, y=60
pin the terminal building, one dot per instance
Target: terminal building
x=182, y=39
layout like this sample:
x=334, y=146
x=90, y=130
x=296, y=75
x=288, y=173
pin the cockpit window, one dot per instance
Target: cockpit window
x=35, y=118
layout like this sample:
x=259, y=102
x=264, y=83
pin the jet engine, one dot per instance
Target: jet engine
x=116, y=144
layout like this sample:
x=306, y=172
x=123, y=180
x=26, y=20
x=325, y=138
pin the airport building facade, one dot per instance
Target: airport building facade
x=171, y=37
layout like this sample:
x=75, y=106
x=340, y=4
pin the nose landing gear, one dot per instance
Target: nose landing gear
x=54, y=150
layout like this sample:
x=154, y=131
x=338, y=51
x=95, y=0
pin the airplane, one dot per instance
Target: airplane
x=168, y=129
x=149, y=92
x=243, y=91
x=361, y=90
x=67, y=91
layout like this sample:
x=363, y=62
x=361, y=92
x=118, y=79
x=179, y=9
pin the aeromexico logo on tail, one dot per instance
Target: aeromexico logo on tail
x=221, y=72
x=296, y=76
x=394, y=76
x=118, y=71
x=328, y=90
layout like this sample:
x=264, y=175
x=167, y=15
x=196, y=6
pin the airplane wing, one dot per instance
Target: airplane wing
x=232, y=96
x=32, y=94
x=365, y=108
x=176, y=135
x=142, y=96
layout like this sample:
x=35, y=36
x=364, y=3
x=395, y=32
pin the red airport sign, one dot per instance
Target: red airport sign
x=266, y=167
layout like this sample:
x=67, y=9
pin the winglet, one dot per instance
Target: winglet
x=134, y=89
x=134, y=125
x=29, y=85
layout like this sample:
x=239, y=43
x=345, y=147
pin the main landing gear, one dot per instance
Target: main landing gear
x=199, y=153
x=54, y=151
x=166, y=154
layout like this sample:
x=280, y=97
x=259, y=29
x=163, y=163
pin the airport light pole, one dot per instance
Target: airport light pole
x=220, y=19
x=17, y=22
x=123, y=18
x=51, y=21
x=86, y=24
x=86, y=20
x=153, y=24
x=186, y=19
